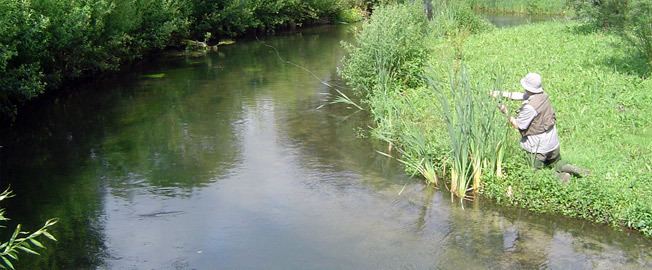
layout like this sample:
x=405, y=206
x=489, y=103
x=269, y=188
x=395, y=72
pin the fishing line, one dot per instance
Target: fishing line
x=345, y=98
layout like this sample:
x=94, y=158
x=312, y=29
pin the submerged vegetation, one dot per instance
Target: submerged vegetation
x=445, y=121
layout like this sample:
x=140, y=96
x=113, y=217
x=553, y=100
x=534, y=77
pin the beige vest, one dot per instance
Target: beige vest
x=545, y=118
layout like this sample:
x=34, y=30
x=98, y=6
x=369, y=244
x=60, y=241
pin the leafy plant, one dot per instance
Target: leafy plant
x=638, y=28
x=21, y=241
x=391, y=41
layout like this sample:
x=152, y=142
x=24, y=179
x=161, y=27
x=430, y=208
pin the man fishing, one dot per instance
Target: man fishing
x=535, y=120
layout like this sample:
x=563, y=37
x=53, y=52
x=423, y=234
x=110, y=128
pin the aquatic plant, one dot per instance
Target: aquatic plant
x=476, y=132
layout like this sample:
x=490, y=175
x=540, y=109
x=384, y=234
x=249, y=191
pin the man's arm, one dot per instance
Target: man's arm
x=511, y=119
x=509, y=95
x=526, y=114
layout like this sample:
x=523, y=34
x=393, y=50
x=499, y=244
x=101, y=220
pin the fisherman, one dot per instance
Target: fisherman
x=535, y=120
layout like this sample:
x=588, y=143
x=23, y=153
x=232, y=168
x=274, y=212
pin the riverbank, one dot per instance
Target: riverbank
x=599, y=88
x=602, y=106
x=45, y=48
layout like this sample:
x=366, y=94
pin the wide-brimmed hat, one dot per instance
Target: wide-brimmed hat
x=532, y=83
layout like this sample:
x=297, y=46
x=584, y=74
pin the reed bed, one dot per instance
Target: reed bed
x=476, y=132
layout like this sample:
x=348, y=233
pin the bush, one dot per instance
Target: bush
x=638, y=27
x=392, y=42
x=44, y=43
x=632, y=19
x=452, y=17
x=22, y=44
x=47, y=42
x=605, y=13
x=233, y=17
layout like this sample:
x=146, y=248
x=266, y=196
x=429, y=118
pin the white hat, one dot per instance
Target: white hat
x=532, y=83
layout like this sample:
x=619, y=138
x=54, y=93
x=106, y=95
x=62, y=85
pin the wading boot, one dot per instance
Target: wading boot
x=574, y=170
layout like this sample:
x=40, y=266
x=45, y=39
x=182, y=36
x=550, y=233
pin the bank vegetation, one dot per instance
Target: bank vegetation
x=426, y=84
x=45, y=43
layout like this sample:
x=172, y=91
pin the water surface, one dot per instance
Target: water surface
x=226, y=163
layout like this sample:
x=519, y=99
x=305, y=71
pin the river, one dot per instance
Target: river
x=226, y=161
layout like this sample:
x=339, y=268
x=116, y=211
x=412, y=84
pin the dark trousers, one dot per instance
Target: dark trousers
x=553, y=159
x=547, y=159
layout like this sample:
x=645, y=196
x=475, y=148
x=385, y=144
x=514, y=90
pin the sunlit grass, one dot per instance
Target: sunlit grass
x=532, y=7
x=451, y=131
x=602, y=100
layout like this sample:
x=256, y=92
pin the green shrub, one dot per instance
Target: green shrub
x=350, y=15
x=233, y=17
x=22, y=44
x=44, y=43
x=639, y=27
x=47, y=42
x=452, y=17
x=392, y=41
x=606, y=13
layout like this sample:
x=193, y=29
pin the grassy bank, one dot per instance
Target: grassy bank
x=603, y=109
x=599, y=89
x=531, y=7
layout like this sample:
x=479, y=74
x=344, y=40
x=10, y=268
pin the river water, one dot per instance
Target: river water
x=224, y=161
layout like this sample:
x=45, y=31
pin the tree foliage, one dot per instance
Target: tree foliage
x=632, y=19
x=44, y=43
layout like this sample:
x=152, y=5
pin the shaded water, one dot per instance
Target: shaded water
x=225, y=163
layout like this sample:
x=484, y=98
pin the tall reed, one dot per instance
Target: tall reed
x=476, y=132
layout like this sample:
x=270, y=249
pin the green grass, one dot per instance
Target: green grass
x=532, y=7
x=603, y=111
x=598, y=85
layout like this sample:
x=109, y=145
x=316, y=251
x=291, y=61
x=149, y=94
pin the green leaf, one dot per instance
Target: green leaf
x=28, y=250
x=12, y=255
x=154, y=76
x=8, y=262
x=50, y=236
x=36, y=243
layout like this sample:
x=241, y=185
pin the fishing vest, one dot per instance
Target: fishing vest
x=545, y=119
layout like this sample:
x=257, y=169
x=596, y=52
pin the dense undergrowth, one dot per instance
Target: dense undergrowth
x=597, y=81
x=44, y=43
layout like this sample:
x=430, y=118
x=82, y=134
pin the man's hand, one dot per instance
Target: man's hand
x=495, y=94
x=503, y=108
